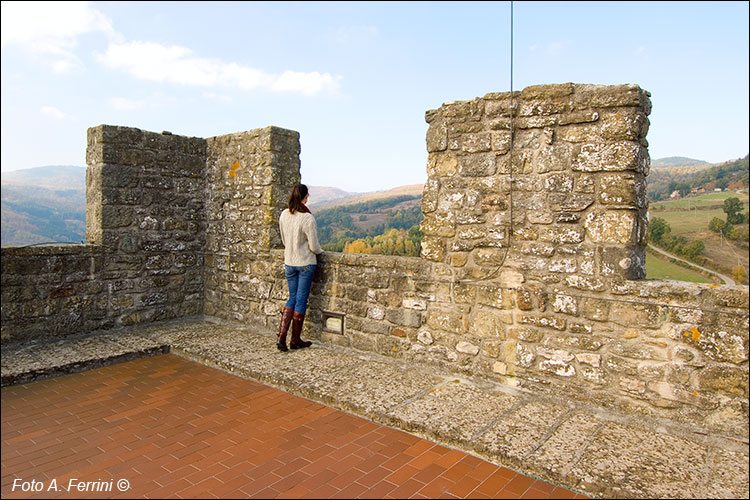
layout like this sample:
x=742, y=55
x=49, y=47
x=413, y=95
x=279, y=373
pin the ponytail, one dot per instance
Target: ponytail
x=299, y=192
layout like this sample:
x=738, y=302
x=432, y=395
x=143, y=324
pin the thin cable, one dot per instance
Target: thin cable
x=510, y=162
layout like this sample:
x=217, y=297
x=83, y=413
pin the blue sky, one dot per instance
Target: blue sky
x=355, y=78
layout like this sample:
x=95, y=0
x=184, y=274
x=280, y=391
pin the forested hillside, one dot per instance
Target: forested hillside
x=32, y=215
x=345, y=225
x=664, y=181
x=676, y=161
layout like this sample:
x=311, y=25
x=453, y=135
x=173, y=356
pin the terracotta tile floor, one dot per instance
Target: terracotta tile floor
x=172, y=428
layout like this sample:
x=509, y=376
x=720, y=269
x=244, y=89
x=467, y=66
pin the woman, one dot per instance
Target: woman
x=299, y=234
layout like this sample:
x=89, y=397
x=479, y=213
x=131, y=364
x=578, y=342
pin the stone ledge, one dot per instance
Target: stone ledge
x=35, y=361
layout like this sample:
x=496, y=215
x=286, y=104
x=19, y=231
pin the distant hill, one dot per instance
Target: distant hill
x=43, y=204
x=48, y=204
x=676, y=161
x=32, y=215
x=354, y=198
x=732, y=175
x=53, y=177
x=342, y=224
x=324, y=194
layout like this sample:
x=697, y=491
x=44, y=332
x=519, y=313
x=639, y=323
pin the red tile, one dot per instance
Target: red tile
x=402, y=475
x=464, y=486
x=494, y=483
x=178, y=429
x=351, y=491
x=373, y=477
x=418, y=448
x=322, y=491
x=519, y=484
x=457, y=472
x=535, y=493
x=397, y=461
x=561, y=493
x=424, y=460
x=341, y=481
x=436, y=487
x=379, y=490
x=406, y=489
x=429, y=473
x=543, y=486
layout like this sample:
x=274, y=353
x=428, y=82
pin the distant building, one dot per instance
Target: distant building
x=717, y=190
x=675, y=195
x=698, y=190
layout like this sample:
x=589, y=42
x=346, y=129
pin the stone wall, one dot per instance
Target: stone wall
x=668, y=349
x=531, y=267
x=566, y=202
x=530, y=273
x=52, y=291
x=249, y=177
x=146, y=228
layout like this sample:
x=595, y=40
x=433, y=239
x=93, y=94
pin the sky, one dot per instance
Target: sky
x=355, y=78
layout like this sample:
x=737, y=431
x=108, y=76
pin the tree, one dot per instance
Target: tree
x=658, y=228
x=683, y=188
x=357, y=246
x=694, y=249
x=733, y=208
x=739, y=274
x=716, y=225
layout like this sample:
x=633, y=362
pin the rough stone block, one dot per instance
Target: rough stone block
x=619, y=156
x=477, y=165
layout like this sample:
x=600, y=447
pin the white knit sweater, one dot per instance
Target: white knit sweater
x=299, y=233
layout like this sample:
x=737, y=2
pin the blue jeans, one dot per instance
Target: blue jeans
x=299, y=280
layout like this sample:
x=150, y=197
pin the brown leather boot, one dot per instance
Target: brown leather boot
x=297, y=343
x=286, y=319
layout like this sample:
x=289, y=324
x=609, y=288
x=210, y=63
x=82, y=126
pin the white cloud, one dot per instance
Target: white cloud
x=178, y=65
x=305, y=83
x=52, y=112
x=124, y=104
x=51, y=29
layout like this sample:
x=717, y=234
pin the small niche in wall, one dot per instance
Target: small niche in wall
x=333, y=322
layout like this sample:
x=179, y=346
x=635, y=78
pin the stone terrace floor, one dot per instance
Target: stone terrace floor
x=172, y=427
x=175, y=428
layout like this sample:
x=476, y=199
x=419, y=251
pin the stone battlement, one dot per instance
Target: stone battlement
x=531, y=271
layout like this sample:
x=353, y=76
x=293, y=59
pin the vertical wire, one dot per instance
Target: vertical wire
x=510, y=161
x=512, y=133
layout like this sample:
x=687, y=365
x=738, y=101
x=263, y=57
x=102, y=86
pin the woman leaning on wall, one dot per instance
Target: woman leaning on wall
x=299, y=234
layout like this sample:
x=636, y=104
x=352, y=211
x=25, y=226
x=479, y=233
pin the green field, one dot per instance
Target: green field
x=690, y=217
x=690, y=214
x=703, y=200
x=658, y=269
x=683, y=222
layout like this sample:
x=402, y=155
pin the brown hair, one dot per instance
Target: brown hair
x=295, y=199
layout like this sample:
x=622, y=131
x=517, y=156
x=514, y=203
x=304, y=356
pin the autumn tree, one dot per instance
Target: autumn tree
x=738, y=274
